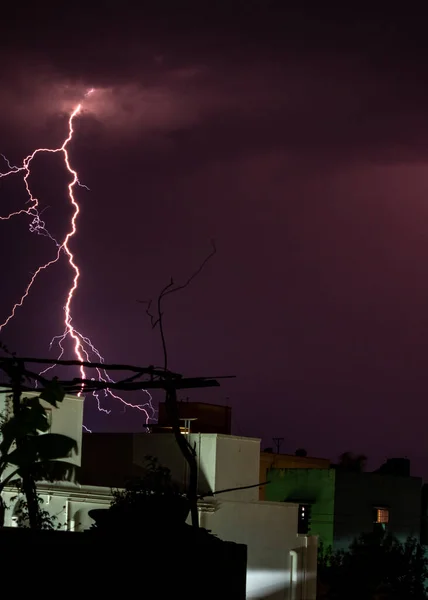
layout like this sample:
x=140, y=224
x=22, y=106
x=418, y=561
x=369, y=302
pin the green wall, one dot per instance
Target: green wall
x=311, y=486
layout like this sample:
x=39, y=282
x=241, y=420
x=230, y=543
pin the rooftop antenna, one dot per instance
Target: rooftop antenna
x=277, y=441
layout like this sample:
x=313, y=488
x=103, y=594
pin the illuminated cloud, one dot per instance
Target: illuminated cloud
x=129, y=108
x=322, y=106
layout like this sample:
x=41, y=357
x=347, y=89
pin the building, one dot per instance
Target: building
x=281, y=563
x=270, y=460
x=67, y=503
x=200, y=417
x=339, y=505
x=224, y=461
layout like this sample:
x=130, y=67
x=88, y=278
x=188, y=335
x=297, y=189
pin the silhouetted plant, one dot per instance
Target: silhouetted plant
x=301, y=452
x=152, y=500
x=376, y=564
x=352, y=462
x=46, y=521
x=25, y=455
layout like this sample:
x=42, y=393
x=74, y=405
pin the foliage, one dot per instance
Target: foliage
x=375, y=566
x=22, y=445
x=46, y=521
x=352, y=462
x=26, y=455
x=153, y=500
x=301, y=452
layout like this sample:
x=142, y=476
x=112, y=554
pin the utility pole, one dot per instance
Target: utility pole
x=277, y=441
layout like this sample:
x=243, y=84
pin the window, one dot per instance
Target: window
x=382, y=515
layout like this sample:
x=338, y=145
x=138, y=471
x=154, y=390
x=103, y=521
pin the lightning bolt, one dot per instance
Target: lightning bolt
x=82, y=346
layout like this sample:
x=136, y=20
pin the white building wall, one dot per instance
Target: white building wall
x=237, y=464
x=69, y=504
x=281, y=564
x=164, y=447
x=224, y=461
x=67, y=420
x=206, y=454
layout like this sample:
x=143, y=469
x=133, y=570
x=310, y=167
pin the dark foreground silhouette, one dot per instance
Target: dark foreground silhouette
x=153, y=564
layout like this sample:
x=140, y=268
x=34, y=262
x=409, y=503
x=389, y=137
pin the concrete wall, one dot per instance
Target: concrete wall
x=67, y=419
x=224, y=461
x=164, y=447
x=358, y=493
x=281, y=564
x=311, y=486
x=237, y=465
x=206, y=451
x=343, y=501
x=69, y=504
x=270, y=460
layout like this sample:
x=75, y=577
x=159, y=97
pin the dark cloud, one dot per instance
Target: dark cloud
x=306, y=81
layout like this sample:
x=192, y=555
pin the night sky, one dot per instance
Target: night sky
x=298, y=141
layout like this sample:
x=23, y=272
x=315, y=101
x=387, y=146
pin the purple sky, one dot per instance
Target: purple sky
x=298, y=142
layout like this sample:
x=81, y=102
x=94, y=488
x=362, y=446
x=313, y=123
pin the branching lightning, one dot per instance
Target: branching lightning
x=82, y=346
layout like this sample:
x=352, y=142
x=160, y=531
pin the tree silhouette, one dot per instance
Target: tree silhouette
x=27, y=451
x=376, y=565
x=349, y=461
x=46, y=521
x=301, y=452
x=152, y=501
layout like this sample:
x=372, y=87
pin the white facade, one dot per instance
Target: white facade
x=224, y=461
x=68, y=504
x=281, y=564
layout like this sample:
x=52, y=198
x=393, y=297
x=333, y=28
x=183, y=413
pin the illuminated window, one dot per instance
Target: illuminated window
x=381, y=516
x=304, y=518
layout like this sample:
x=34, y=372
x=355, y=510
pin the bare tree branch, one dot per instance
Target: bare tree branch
x=171, y=288
x=194, y=275
x=188, y=452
